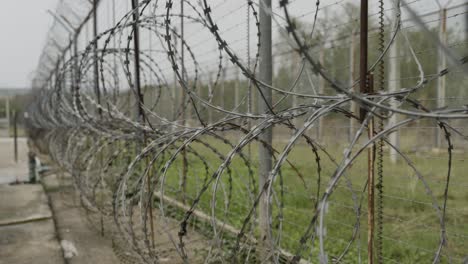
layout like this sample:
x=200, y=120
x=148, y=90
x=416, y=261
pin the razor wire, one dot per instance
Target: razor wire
x=180, y=179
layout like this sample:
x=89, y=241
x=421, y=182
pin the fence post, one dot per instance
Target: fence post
x=352, y=77
x=96, y=63
x=295, y=63
x=321, y=91
x=174, y=78
x=114, y=44
x=250, y=94
x=223, y=85
x=366, y=87
x=393, y=85
x=183, y=179
x=264, y=152
x=236, y=88
x=96, y=78
x=7, y=106
x=442, y=64
x=15, y=135
x=140, y=101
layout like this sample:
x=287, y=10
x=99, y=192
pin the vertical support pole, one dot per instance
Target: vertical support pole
x=295, y=61
x=183, y=178
x=393, y=86
x=72, y=59
x=321, y=91
x=96, y=63
x=75, y=61
x=114, y=42
x=363, y=53
x=249, y=87
x=7, y=110
x=370, y=186
x=223, y=85
x=264, y=152
x=182, y=62
x=210, y=113
x=140, y=100
x=174, y=88
x=441, y=66
x=352, y=76
x=136, y=47
x=75, y=70
x=96, y=76
x=15, y=135
x=366, y=87
x=236, y=87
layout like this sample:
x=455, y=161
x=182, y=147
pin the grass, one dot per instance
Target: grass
x=411, y=230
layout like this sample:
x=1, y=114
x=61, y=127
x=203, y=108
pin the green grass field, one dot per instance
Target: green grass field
x=411, y=228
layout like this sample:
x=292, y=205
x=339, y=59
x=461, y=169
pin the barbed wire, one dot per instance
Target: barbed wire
x=140, y=117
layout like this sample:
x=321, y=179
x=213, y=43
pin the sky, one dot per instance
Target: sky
x=24, y=25
x=23, y=28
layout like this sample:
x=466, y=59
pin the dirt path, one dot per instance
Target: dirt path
x=83, y=229
x=27, y=232
x=81, y=241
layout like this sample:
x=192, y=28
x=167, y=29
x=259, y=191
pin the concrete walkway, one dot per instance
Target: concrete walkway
x=27, y=232
x=9, y=170
x=46, y=223
x=43, y=227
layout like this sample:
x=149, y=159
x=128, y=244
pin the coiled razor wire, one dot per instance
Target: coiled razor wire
x=97, y=140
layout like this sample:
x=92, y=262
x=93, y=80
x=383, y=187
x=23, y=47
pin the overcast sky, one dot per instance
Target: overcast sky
x=23, y=28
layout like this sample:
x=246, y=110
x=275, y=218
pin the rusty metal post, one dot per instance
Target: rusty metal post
x=363, y=53
x=366, y=87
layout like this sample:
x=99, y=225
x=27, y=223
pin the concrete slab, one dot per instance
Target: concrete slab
x=22, y=203
x=27, y=243
x=9, y=170
x=27, y=232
